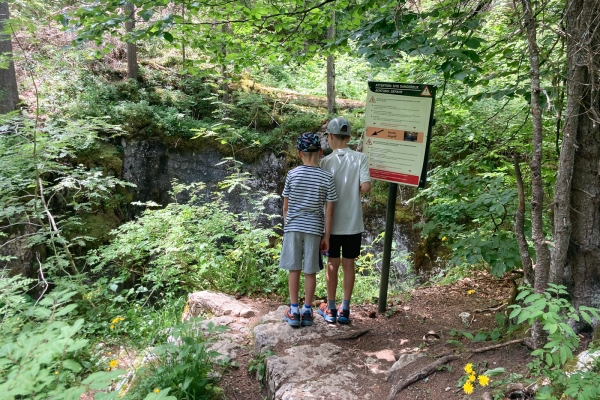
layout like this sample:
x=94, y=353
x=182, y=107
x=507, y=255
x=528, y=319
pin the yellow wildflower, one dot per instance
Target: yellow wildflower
x=55, y=372
x=471, y=291
x=113, y=364
x=444, y=239
x=484, y=380
x=369, y=255
x=156, y=390
x=469, y=368
x=472, y=377
x=468, y=387
x=112, y=327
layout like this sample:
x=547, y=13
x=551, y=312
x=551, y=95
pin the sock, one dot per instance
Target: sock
x=307, y=308
x=331, y=304
x=294, y=309
x=345, y=304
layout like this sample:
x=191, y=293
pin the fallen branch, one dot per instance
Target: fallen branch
x=420, y=374
x=495, y=308
x=495, y=346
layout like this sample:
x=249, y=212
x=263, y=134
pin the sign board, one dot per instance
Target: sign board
x=398, y=124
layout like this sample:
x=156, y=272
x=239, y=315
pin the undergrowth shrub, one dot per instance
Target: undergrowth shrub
x=191, y=246
x=41, y=344
x=555, y=361
x=182, y=366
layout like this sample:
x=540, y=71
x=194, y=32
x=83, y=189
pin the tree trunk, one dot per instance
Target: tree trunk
x=225, y=28
x=519, y=226
x=331, y=69
x=132, y=64
x=581, y=263
x=542, y=252
x=9, y=94
x=542, y=265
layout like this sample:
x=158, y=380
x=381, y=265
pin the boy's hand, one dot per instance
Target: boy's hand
x=324, y=245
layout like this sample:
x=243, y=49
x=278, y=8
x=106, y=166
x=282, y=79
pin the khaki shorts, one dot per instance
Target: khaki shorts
x=298, y=246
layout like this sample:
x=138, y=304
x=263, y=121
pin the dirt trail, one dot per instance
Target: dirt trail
x=420, y=323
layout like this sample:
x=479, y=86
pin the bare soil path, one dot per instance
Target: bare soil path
x=423, y=323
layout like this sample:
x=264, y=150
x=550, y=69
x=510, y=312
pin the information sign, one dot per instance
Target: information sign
x=398, y=124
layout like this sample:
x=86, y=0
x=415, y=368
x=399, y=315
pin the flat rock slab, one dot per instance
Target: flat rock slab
x=218, y=304
x=309, y=364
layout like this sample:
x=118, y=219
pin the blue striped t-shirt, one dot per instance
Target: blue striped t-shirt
x=307, y=189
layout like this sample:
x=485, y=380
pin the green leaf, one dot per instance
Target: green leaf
x=168, y=37
x=480, y=337
x=516, y=311
x=494, y=371
x=71, y=365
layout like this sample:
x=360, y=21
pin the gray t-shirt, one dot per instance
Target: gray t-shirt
x=307, y=189
x=349, y=169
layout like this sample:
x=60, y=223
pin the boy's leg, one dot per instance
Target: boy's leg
x=294, y=286
x=292, y=314
x=311, y=267
x=350, y=250
x=291, y=260
x=333, y=265
x=310, y=285
x=349, y=277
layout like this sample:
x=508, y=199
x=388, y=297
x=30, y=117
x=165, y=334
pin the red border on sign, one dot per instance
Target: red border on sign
x=394, y=177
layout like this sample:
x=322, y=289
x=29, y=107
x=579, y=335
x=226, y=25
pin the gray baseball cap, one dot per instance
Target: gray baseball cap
x=339, y=126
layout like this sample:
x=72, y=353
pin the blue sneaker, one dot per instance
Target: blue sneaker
x=329, y=314
x=292, y=318
x=307, y=317
x=343, y=316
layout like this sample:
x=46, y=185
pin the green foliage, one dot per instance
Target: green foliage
x=183, y=366
x=553, y=312
x=457, y=202
x=258, y=364
x=185, y=247
x=39, y=351
x=37, y=178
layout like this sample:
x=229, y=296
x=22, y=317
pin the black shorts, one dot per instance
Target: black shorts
x=350, y=245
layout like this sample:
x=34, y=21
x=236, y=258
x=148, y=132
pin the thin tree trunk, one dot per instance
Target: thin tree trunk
x=224, y=74
x=9, y=94
x=519, y=226
x=132, y=64
x=331, y=108
x=542, y=265
x=183, y=42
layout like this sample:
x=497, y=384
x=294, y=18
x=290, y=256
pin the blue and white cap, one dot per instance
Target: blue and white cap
x=309, y=142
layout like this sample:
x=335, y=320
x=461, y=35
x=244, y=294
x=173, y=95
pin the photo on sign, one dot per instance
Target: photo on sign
x=411, y=136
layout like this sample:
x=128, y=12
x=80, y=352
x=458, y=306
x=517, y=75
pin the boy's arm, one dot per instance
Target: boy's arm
x=285, y=208
x=328, y=222
x=364, y=176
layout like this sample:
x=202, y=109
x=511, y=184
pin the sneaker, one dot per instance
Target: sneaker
x=343, y=316
x=292, y=318
x=307, y=317
x=329, y=314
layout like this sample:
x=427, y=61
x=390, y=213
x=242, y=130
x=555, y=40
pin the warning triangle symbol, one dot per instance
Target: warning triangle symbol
x=426, y=91
x=369, y=142
x=372, y=100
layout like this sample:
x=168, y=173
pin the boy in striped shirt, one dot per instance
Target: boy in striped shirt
x=308, y=189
